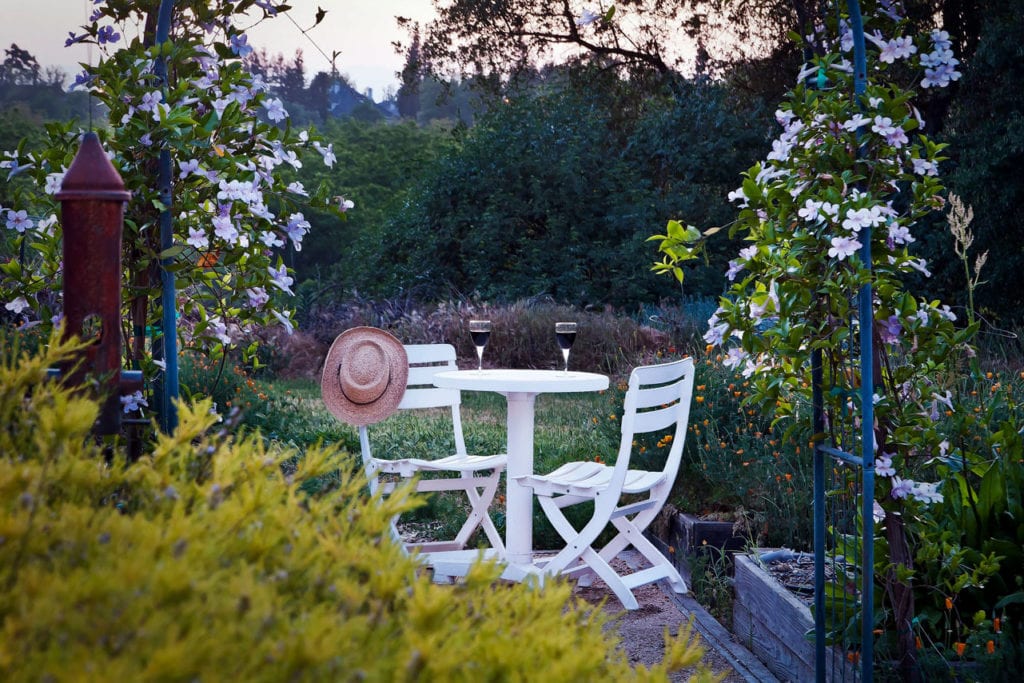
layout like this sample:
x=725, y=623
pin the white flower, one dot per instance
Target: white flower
x=735, y=266
x=219, y=329
x=856, y=122
x=920, y=265
x=344, y=204
x=284, y=319
x=809, y=211
x=133, y=402
x=735, y=357
x=297, y=188
x=327, y=153
x=53, y=182
x=926, y=493
x=738, y=196
x=44, y=226
x=17, y=305
x=19, y=220
x=883, y=466
x=197, y=238
x=842, y=247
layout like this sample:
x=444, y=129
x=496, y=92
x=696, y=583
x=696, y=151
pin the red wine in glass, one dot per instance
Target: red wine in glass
x=480, y=331
x=565, y=335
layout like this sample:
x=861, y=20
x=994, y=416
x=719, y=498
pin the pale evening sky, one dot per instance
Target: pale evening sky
x=362, y=30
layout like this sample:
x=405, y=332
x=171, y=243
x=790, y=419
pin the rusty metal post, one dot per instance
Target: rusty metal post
x=92, y=199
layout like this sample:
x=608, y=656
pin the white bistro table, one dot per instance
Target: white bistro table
x=520, y=389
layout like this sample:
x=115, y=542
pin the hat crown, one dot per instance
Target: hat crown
x=365, y=372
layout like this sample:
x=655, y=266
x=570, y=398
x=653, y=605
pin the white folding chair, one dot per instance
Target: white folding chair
x=478, y=474
x=658, y=398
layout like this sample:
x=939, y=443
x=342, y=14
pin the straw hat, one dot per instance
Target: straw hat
x=364, y=375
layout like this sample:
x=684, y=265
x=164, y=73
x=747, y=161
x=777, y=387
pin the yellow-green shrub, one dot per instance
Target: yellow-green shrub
x=203, y=561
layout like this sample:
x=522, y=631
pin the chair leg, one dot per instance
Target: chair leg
x=480, y=498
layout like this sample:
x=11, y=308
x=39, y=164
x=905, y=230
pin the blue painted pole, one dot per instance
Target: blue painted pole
x=168, y=412
x=867, y=392
x=818, y=421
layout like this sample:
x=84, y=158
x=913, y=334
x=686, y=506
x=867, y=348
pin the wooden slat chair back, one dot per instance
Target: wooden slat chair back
x=658, y=399
x=478, y=475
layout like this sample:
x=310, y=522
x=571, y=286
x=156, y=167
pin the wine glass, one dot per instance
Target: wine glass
x=480, y=330
x=565, y=334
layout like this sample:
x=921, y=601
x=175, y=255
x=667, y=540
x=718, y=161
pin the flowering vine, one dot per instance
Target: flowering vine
x=846, y=166
x=235, y=202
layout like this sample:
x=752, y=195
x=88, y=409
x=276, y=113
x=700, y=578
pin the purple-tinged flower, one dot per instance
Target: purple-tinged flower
x=344, y=204
x=270, y=238
x=296, y=229
x=901, y=488
x=107, y=34
x=843, y=247
x=197, y=238
x=240, y=45
x=877, y=512
x=748, y=253
x=883, y=466
x=735, y=266
x=891, y=330
x=900, y=234
x=587, y=17
x=187, y=168
x=275, y=110
x=133, y=402
x=267, y=7
x=225, y=229
x=53, y=183
x=150, y=100
x=257, y=296
x=19, y=220
x=280, y=278
x=146, y=139
x=925, y=167
x=72, y=39
x=83, y=79
x=297, y=188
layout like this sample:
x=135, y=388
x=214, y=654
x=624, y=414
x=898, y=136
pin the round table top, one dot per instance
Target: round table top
x=521, y=381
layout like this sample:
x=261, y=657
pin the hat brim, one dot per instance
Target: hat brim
x=395, y=364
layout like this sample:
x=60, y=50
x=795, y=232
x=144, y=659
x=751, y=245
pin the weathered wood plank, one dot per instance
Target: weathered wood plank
x=774, y=625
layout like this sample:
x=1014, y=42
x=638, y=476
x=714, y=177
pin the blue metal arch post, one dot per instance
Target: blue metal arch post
x=169, y=387
x=866, y=460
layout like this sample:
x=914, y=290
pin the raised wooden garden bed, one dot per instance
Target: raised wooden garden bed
x=776, y=626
